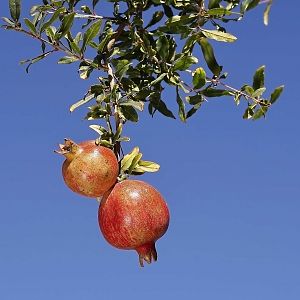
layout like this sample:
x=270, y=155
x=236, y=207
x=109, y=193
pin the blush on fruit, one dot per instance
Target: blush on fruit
x=134, y=215
x=89, y=170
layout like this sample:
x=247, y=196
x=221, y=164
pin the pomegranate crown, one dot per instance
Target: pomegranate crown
x=69, y=149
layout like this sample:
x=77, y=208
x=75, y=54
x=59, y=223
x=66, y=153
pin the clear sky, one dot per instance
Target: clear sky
x=232, y=186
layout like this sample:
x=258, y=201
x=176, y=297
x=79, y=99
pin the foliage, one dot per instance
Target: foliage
x=135, y=60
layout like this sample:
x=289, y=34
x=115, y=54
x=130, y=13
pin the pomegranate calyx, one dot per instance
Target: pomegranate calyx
x=69, y=149
x=146, y=253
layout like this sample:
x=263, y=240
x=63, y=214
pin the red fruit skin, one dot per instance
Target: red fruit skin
x=91, y=171
x=134, y=215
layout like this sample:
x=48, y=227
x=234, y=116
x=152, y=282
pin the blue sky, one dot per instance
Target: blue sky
x=232, y=186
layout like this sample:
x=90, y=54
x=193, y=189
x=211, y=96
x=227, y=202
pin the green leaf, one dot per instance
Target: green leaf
x=8, y=21
x=214, y=4
x=86, y=99
x=261, y=112
x=158, y=79
x=68, y=60
x=99, y=129
x=249, y=112
x=162, y=46
x=219, y=35
x=136, y=104
x=211, y=92
x=259, y=92
x=209, y=56
x=193, y=110
x=218, y=12
x=157, y=16
x=259, y=78
x=15, y=9
x=65, y=25
x=146, y=166
x=129, y=113
x=248, y=4
x=199, y=78
x=53, y=18
x=161, y=106
x=134, y=163
x=31, y=61
x=194, y=100
x=276, y=94
x=90, y=34
x=121, y=66
x=184, y=62
x=128, y=158
x=181, y=107
x=30, y=26
x=267, y=12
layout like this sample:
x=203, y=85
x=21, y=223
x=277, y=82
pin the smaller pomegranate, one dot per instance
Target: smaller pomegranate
x=89, y=169
x=134, y=215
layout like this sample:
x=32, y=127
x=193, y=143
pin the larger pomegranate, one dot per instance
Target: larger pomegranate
x=88, y=169
x=134, y=215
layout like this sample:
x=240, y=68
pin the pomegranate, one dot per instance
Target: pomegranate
x=134, y=215
x=88, y=169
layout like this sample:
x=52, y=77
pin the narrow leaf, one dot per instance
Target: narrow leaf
x=219, y=35
x=209, y=56
x=276, y=94
x=199, y=78
x=181, y=107
x=91, y=33
x=15, y=9
x=259, y=78
x=68, y=60
x=81, y=102
x=267, y=13
x=184, y=62
x=30, y=26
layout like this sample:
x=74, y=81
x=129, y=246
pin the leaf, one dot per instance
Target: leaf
x=209, y=56
x=95, y=3
x=81, y=102
x=248, y=4
x=90, y=34
x=158, y=79
x=161, y=106
x=199, y=78
x=128, y=158
x=261, y=112
x=276, y=94
x=193, y=110
x=184, y=62
x=267, y=12
x=181, y=107
x=129, y=113
x=53, y=18
x=211, y=92
x=136, y=104
x=259, y=78
x=68, y=60
x=8, y=21
x=65, y=25
x=134, y=162
x=146, y=166
x=121, y=66
x=219, y=35
x=162, y=46
x=34, y=60
x=213, y=4
x=248, y=113
x=30, y=26
x=15, y=9
x=258, y=92
x=157, y=16
x=194, y=100
x=99, y=129
x=219, y=12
